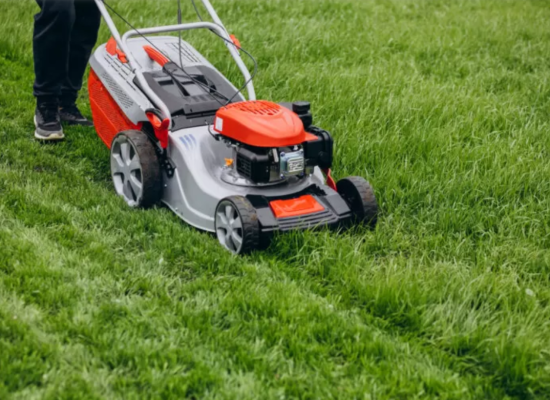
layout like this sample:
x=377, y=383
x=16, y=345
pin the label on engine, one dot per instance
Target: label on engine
x=295, y=165
x=292, y=163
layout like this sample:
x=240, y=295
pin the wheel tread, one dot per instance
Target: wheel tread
x=250, y=223
x=151, y=172
x=369, y=210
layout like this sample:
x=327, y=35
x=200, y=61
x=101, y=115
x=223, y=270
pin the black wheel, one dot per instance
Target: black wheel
x=359, y=196
x=135, y=169
x=237, y=226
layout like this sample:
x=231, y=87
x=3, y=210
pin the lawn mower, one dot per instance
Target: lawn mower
x=181, y=134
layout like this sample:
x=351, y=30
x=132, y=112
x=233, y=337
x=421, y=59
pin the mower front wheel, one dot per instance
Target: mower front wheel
x=237, y=226
x=359, y=196
x=135, y=169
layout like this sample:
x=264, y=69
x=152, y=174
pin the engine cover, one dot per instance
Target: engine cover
x=261, y=124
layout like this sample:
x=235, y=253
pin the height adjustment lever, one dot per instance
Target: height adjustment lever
x=112, y=49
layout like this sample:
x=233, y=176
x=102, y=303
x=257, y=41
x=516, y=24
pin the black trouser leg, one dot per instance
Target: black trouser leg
x=83, y=39
x=52, y=35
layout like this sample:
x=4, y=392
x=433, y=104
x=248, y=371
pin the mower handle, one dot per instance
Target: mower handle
x=199, y=25
x=217, y=27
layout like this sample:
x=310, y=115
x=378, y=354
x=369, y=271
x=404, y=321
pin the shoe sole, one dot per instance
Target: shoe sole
x=52, y=137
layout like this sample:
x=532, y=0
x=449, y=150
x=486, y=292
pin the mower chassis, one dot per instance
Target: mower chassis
x=197, y=185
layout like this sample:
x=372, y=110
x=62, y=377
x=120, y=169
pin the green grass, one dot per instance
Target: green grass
x=442, y=105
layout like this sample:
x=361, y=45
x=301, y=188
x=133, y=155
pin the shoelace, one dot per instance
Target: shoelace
x=49, y=114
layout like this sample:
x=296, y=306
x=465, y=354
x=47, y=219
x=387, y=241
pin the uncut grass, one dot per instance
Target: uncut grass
x=443, y=107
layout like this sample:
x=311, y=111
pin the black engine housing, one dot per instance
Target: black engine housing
x=254, y=163
x=319, y=152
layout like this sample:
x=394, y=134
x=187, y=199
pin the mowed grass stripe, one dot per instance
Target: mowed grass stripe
x=179, y=316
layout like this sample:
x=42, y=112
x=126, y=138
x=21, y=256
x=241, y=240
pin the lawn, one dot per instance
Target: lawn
x=442, y=105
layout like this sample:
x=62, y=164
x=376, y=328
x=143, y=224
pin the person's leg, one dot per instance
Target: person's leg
x=52, y=32
x=83, y=39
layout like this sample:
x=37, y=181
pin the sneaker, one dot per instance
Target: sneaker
x=48, y=123
x=72, y=116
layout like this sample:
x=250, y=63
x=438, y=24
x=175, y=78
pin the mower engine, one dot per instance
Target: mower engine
x=273, y=142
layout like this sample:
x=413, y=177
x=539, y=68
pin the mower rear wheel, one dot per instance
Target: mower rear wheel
x=359, y=196
x=135, y=169
x=236, y=225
